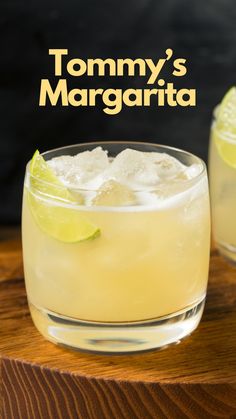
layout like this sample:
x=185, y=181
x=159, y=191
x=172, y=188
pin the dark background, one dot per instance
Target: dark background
x=203, y=32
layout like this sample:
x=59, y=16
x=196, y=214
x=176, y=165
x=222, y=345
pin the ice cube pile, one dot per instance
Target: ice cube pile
x=131, y=178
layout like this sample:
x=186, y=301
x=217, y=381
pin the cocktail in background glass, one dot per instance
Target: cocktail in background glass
x=222, y=165
x=119, y=267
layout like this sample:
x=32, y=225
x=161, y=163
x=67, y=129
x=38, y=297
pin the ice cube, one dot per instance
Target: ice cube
x=167, y=167
x=144, y=169
x=79, y=170
x=91, y=163
x=132, y=168
x=61, y=165
x=112, y=193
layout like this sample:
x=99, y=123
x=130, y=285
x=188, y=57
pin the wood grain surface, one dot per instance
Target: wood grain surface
x=196, y=379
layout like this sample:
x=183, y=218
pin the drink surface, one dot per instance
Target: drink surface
x=150, y=258
x=131, y=178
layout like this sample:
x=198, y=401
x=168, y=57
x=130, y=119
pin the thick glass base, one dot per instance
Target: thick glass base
x=228, y=251
x=117, y=338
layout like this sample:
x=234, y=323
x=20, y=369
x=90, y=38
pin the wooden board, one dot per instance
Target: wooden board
x=196, y=379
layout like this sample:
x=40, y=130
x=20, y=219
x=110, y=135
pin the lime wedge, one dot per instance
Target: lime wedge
x=54, y=217
x=65, y=224
x=44, y=180
x=227, y=109
x=40, y=169
x=225, y=133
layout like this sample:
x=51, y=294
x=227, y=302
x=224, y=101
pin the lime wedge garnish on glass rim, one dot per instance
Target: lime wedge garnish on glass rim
x=225, y=124
x=50, y=203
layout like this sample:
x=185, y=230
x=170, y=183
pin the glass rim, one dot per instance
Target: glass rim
x=186, y=182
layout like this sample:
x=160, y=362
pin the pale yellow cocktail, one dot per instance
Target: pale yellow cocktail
x=145, y=261
x=222, y=164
